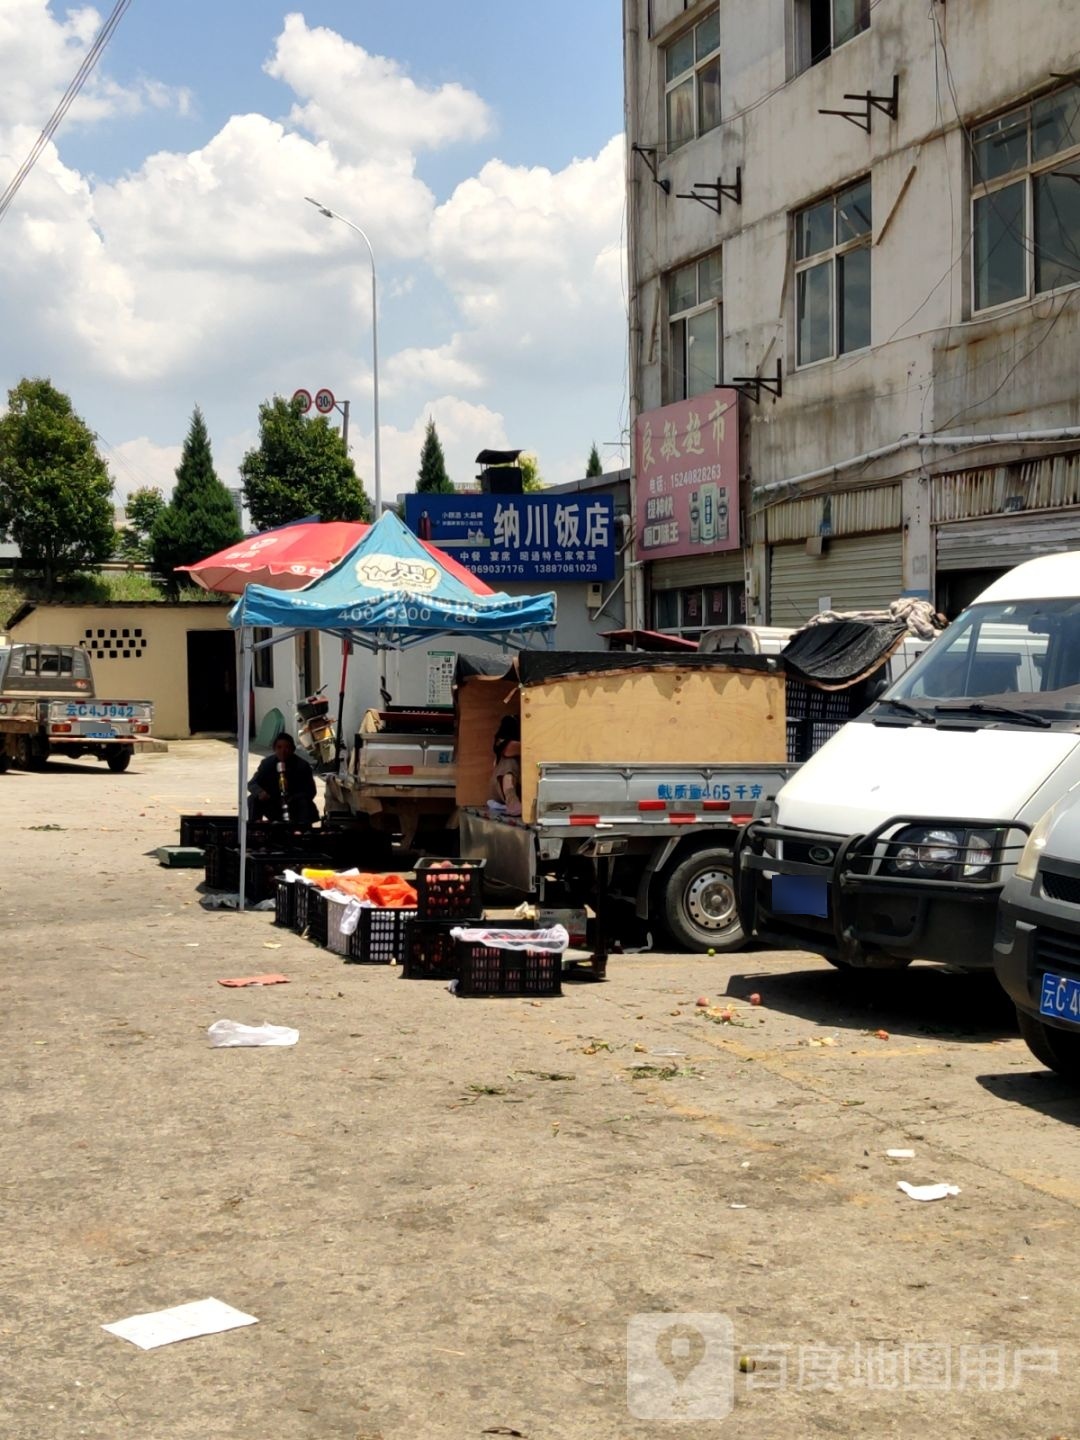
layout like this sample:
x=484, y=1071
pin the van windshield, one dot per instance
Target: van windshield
x=1019, y=657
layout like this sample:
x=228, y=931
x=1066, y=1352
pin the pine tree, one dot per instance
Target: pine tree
x=595, y=465
x=201, y=517
x=432, y=478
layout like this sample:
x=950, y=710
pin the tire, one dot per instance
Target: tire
x=118, y=761
x=1056, y=1049
x=699, y=903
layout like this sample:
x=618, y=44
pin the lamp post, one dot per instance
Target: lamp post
x=333, y=215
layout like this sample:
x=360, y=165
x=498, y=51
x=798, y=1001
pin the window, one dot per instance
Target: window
x=262, y=671
x=1025, y=184
x=832, y=275
x=821, y=26
x=690, y=613
x=695, y=297
x=692, y=82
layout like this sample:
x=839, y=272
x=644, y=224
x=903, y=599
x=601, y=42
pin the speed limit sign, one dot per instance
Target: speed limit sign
x=303, y=399
x=324, y=401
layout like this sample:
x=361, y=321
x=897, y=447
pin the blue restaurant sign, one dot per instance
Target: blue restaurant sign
x=521, y=537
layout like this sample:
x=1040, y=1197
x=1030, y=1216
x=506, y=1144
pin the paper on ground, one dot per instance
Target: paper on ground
x=256, y=980
x=900, y=1154
x=927, y=1192
x=225, y=1033
x=181, y=1322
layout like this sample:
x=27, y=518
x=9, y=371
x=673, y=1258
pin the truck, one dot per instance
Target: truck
x=894, y=841
x=48, y=706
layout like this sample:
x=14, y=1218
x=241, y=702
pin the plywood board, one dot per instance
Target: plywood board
x=707, y=716
x=481, y=703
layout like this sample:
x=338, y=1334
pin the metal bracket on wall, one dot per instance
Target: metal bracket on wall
x=888, y=105
x=752, y=385
x=649, y=154
x=719, y=192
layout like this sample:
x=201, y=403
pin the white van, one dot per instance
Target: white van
x=893, y=842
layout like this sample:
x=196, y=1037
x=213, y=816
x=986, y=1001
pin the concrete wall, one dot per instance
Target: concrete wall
x=931, y=366
x=160, y=673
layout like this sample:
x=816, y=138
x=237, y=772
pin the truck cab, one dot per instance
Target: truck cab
x=894, y=841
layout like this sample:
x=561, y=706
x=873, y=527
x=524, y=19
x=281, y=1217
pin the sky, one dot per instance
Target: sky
x=161, y=254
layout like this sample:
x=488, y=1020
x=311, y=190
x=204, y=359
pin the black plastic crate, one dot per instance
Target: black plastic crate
x=379, y=938
x=317, y=917
x=429, y=952
x=485, y=970
x=450, y=889
x=285, y=903
x=265, y=866
x=222, y=866
x=199, y=830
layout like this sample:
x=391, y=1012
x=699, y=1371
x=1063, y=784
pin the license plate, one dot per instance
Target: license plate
x=1060, y=998
x=105, y=733
x=800, y=895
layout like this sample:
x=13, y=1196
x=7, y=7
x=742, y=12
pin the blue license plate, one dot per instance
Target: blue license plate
x=1060, y=998
x=800, y=895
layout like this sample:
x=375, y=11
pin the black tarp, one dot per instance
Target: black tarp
x=534, y=667
x=841, y=653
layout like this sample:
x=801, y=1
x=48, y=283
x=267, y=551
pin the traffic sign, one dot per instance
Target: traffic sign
x=304, y=396
x=324, y=401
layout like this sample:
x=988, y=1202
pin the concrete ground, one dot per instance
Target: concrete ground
x=457, y=1218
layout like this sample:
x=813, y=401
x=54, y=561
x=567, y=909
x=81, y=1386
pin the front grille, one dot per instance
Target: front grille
x=1061, y=887
x=1056, y=950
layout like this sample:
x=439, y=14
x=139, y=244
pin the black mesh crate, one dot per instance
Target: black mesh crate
x=484, y=970
x=450, y=889
x=199, y=830
x=285, y=903
x=317, y=918
x=429, y=952
x=379, y=938
x=265, y=866
x=222, y=866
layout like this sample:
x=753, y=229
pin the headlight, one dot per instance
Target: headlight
x=940, y=853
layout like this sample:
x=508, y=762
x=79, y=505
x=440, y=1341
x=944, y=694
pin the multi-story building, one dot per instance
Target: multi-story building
x=860, y=219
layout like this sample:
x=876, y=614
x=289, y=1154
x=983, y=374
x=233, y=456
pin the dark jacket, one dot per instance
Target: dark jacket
x=300, y=787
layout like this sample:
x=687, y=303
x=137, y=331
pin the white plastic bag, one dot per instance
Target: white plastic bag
x=226, y=1033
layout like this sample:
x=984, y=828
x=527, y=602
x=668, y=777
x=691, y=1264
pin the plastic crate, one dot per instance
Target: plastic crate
x=285, y=903
x=222, y=866
x=485, y=970
x=199, y=830
x=430, y=952
x=318, y=919
x=450, y=890
x=379, y=938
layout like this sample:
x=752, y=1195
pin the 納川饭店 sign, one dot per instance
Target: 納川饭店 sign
x=686, y=468
x=521, y=537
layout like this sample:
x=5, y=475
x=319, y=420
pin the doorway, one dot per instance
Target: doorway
x=211, y=657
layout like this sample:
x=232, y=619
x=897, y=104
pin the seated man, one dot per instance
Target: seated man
x=283, y=780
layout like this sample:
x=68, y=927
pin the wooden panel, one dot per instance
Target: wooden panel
x=481, y=703
x=696, y=716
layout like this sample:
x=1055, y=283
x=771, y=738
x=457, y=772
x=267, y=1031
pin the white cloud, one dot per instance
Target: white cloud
x=436, y=367
x=366, y=104
x=464, y=429
x=137, y=463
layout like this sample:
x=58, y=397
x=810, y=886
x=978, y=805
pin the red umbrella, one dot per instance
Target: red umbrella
x=292, y=556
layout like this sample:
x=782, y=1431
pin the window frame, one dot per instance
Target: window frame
x=801, y=58
x=262, y=661
x=691, y=72
x=1027, y=175
x=714, y=305
x=735, y=605
x=833, y=256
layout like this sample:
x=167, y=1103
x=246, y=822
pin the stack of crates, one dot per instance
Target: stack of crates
x=449, y=893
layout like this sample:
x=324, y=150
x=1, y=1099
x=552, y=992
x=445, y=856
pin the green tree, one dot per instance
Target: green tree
x=595, y=464
x=55, y=490
x=141, y=512
x=201, y=517
x=531, y=479
x=299, y=467
x=432, y=478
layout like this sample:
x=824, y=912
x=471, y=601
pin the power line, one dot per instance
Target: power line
x=83, y=73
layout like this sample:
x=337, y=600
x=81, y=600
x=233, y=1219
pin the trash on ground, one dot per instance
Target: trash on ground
x=900, y=1154
x=232, y=902
x=266, y=980
x=180, y=1322
x=881, y=1034
x=228, y=1033
x=927, y=1192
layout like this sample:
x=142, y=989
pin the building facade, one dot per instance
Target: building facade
x=880, y=305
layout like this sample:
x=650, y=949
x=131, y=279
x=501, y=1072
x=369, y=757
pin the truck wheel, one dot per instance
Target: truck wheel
x=4, y=763
x=699, y=903
x=1055, y=1049
x=118, y=761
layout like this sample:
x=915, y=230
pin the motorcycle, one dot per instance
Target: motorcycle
x=316, y=733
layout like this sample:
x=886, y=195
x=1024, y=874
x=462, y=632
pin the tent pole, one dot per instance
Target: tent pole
x=245, y=669
x=346, y=651
x=241, y=717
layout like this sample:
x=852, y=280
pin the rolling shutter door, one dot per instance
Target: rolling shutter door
x=865, y=573
x=1007, y=541
x=725, y=569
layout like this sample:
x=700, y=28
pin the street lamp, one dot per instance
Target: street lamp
x=333, y=215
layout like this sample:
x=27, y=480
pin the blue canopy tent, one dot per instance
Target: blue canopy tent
x=387, y=593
